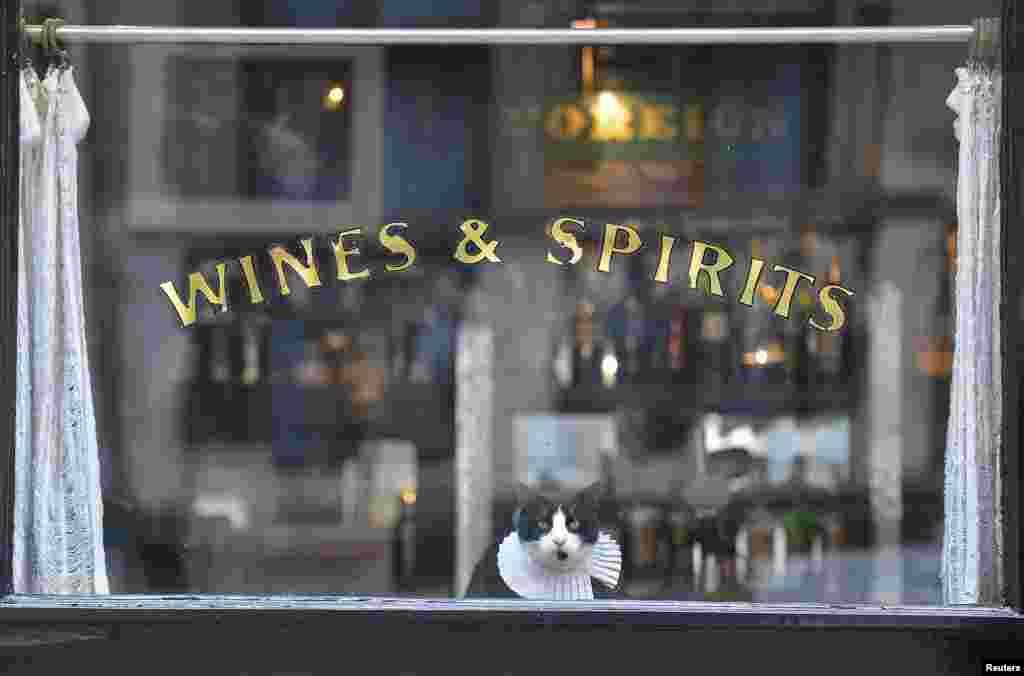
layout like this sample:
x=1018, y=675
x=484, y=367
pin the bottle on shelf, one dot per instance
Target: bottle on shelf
x=796, y=332
x=401, y=328
x=829, y=352
x=588, y=343
x=764, y=357
x=220, y=364
x=664, y=334
x=404, y=542
x=715, y=334
x=254, y=348
x=627, y=328
x=681, y=308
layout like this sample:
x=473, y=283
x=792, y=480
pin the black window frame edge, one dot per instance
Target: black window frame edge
x=852, y=637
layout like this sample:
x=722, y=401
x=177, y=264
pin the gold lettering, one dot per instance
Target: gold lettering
x=474, y=232
x=196, y=283
x=567, y=239
x=611, y=232
x=397, y=244
x=661, y=274
x=793, y=278
x=306, y=271
x=255, y=294
x=723, y=261
x=341, y=255
x=565, y=121
x=832, y=307
x=654, y=123
x=753, y=277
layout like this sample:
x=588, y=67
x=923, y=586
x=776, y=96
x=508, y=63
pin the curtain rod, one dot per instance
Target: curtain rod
x=501, y=36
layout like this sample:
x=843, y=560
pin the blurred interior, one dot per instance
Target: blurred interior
x=353, y=437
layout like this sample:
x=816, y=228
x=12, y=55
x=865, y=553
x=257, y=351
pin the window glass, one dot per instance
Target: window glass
x=358, y=414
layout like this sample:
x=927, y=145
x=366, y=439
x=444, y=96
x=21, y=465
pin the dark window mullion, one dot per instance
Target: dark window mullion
x=10, y=37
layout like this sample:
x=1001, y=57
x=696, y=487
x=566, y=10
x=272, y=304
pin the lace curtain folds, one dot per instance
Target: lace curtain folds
x=58, y=539
x=972, y=542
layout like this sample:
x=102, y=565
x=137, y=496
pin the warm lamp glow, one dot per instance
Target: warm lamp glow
x=334, y=97
x=609, y=367
x=608, y=107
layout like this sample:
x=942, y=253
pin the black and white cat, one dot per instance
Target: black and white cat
x=555, y=550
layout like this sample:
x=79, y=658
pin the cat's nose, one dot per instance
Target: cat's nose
x=558, y=539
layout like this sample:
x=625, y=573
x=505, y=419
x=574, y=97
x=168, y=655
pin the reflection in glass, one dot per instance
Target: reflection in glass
x=308, y=442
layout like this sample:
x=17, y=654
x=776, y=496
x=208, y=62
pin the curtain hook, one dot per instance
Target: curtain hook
x=50, y=27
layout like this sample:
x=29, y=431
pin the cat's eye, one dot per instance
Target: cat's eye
x=544, y=525
x=574, y=524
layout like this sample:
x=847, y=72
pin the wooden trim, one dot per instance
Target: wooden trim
x=134, y=618
x=9, y=182
x=160, y=609
x=1011, y=184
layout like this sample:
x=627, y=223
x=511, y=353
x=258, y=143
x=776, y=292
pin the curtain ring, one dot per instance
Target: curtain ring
x=50, y=27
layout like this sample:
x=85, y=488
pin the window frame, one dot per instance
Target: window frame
x=127, y=625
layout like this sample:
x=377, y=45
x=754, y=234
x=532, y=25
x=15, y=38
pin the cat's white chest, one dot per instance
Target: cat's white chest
x=530, y=580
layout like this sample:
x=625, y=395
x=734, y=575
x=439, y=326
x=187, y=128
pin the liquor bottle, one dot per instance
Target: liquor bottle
x=658, y=330
x=404, y=542
x=626, y=326
x=254, y=332
x=680, y=366
x=447, y=296
x=827, y=349
x=763, y=359
x=584, y=349
x=665, y=345
x=683, y=309
x=796, y=336
x=589, y=346
x=715, y=335
x=220, y=364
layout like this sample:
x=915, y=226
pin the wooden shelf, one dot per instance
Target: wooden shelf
x=696, y=399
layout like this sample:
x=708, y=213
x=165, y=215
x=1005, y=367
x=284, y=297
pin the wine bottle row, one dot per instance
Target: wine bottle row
x=627, y=328
x=323, y=345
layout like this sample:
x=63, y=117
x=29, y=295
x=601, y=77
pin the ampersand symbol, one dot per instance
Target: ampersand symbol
x=474, y=231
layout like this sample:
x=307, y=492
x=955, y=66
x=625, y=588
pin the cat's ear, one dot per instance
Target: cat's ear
x=593, y=494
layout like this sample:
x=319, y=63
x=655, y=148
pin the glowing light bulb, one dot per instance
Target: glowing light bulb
x=613, y=121
x=334, y=97
x=608, y=106
x=761, y=357
x=609, y=367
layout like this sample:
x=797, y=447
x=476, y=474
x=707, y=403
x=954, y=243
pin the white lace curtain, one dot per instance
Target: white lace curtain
x=972, y=543
x=58, y=523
